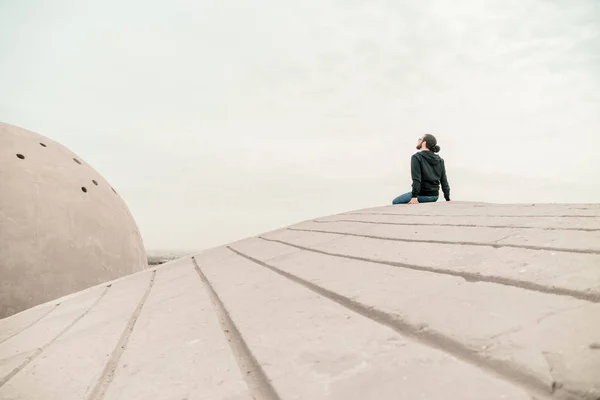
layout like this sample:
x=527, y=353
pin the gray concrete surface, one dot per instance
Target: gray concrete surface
x=497, y=302
x=56, y=239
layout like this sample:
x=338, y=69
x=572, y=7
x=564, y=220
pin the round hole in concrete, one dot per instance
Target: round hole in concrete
x=83, y=189
x=21, y=156
x=95, y=182
x=77, y=161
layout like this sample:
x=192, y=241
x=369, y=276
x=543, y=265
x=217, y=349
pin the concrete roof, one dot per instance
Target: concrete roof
x=435, y=301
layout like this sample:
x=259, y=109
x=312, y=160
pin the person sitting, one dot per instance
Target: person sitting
x=428, y=173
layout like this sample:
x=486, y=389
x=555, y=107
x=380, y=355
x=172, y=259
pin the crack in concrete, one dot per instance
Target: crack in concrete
x=40, y=350
x=106, y=378
x=468, y=276
x=538, y=321
x=458, y=225
x=31, y=324
x=429, y=337
x=253, y=373
x=496, y=246
x=475, y=215
x=552, y=313
x=495, y=242
x=506, y=332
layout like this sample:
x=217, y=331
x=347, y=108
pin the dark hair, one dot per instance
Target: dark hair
x=431, y=143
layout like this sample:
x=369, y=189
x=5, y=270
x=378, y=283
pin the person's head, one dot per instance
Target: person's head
x=428, y=142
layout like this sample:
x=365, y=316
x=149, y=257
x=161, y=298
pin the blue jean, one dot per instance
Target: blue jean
x=406, y=197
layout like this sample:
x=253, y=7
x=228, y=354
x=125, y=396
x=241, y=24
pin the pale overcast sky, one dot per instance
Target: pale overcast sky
x=216, y=120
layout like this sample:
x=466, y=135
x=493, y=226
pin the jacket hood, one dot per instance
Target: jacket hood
x=430, y=157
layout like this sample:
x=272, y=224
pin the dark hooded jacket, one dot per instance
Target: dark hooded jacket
x=428, y=172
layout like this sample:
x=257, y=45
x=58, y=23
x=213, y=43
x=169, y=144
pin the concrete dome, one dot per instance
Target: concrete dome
x=63, y=228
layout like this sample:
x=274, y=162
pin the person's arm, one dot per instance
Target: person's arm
x=444, y=182
x=415, y=171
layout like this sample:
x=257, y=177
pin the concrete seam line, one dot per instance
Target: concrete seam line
x=259, y=384
x=494, y=245
x=106, y=378
x=473, y=215
x=457, y=225
x=468, y=276
x=430, y=338
x=40, y=350
x=31, y=324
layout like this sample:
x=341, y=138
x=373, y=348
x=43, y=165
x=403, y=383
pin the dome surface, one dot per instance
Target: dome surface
x=63, y=228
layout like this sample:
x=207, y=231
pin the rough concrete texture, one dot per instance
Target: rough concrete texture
x=62, y=226
x=496, y=302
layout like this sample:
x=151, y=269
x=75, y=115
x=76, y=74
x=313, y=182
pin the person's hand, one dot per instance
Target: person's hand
x=414, y=200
